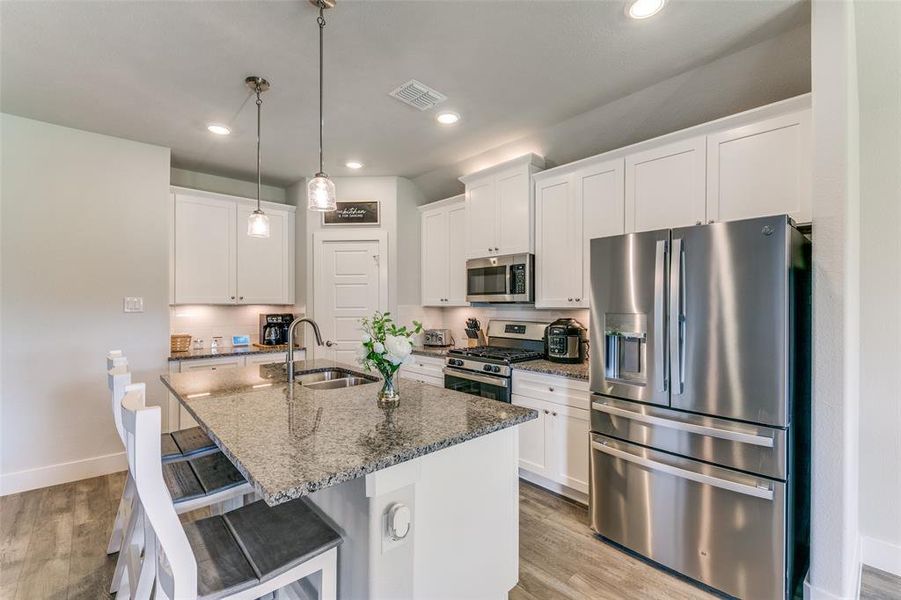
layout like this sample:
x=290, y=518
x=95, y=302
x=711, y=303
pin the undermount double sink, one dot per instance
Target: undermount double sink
x=331, y=379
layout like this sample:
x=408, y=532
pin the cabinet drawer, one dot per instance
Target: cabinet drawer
x=561, y=390
x=427, y=379
x=426, y=365
x=212, y=364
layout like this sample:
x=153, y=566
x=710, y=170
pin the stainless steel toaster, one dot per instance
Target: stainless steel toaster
x=438, y=337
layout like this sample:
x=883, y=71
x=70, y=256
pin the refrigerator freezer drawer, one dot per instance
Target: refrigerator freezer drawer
x=753, y=448
x=720, y=527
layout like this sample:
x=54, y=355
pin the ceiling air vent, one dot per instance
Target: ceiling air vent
x=418, y=95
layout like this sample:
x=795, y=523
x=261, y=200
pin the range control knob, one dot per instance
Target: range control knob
x=486, y=368
x=496, y=369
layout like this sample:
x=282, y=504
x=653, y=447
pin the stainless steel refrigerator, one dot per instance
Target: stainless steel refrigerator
x=700, y=401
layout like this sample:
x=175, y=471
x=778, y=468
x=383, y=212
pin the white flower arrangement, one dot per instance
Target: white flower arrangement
x=385, y=346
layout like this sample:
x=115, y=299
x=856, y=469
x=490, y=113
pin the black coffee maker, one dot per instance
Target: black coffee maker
x=274, y=329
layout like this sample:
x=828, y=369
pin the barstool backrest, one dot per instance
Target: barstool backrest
x=176, y=567
x=118, y=378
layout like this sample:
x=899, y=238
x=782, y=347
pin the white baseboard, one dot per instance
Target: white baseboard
x=553, y=486
x=882, y=555
x=30, y=479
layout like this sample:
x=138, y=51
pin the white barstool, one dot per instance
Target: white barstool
x=244, y=554
x=210, y=480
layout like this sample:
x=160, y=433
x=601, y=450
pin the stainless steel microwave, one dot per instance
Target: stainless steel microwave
x=509, y=279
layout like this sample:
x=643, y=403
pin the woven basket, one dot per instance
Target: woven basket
x=179, y=342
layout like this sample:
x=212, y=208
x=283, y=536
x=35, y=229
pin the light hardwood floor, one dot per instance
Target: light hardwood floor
x=53, y=546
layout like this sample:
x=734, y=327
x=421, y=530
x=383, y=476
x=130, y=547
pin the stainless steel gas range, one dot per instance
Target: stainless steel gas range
x=486, y=370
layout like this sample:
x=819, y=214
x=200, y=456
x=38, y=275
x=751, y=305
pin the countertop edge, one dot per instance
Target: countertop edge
x=207, y=354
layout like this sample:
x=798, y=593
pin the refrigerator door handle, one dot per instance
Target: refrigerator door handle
x=677, y=318
x=661, y=362
x=725, y=484
x=723, y=434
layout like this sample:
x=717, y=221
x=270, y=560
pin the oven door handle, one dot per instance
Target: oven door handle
x=490, y=380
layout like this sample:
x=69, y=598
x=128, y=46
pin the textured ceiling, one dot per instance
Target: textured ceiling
x=158, y=72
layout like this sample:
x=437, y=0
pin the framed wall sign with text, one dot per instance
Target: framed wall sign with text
x=353, y=213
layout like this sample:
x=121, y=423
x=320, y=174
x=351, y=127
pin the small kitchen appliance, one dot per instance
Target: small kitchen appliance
x=274, y=329
x=485, y=370
x=505, y=279
x=566, y=341
x=437, y=337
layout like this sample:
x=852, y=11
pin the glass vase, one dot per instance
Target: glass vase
x=389, y=397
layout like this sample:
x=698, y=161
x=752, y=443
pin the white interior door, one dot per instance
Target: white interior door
x=350, y=282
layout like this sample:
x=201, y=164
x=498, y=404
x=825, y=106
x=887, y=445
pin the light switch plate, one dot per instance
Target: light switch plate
x=133, y=304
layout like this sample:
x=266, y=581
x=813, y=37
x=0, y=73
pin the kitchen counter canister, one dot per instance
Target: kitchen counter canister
x=290, y=441
x=573, y=371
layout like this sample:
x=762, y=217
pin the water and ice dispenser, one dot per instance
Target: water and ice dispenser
x=626, y=348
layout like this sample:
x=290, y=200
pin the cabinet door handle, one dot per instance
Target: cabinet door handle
x=496, y=249
x=232, y=297
x=554, y=414
x=699, y=222
x=569, y=299
x=489, y=249
x=546, y=411
x=241, y=298
x=550, y=389
x=710, y=222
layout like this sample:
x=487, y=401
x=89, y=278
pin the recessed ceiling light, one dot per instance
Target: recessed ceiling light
x=218, y=129
x=353, y=164
x=642, y=9
x=448, y=118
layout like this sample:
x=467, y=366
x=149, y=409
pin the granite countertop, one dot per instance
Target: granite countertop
x=290, y=441
x=439, y=351
x=228, y=351
x=573, y=371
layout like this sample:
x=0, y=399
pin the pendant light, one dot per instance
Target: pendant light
x=258, y=221
x=321, y=189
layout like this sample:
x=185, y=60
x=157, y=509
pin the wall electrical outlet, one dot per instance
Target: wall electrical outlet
x=133, y=304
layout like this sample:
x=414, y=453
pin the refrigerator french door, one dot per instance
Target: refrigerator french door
x=697, y=380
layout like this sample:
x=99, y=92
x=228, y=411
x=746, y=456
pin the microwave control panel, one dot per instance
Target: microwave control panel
x=518, y=279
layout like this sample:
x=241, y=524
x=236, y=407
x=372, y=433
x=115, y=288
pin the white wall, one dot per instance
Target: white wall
x=834, y=563
x=879, y=72
x=84, y=223
x=729, y=85
x=398, y=199
x=225, y=185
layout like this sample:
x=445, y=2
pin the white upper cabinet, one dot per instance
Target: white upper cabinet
x=205, y=253
x=665, y=186
x=456, y=279
x=571, y=208
x=266, y=265
x=760, y=169
x=500, y=208
x=214, y=261
x=443, y=258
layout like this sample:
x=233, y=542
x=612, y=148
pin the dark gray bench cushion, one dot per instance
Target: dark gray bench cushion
x=277, y=538
x=215, y=472
x=222, y=568
x=193, y=441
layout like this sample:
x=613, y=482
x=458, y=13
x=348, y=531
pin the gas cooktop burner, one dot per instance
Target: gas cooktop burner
x=496, y=353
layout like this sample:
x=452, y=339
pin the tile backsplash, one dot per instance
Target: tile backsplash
x=206, y=321
x=455, y=318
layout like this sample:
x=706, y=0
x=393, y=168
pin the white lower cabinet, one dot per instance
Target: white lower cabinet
x=555, y=446
x=424, y=369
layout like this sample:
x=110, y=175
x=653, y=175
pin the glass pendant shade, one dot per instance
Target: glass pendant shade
x=258, y=224
x=321, y=194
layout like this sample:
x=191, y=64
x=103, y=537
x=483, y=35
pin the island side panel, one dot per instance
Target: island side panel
x=467, y=520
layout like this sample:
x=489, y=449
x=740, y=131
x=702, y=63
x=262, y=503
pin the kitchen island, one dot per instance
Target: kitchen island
x=448, y=458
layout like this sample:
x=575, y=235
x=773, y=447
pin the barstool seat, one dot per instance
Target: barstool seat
x=252, y=544
x=186, y=443
x=200, y=477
